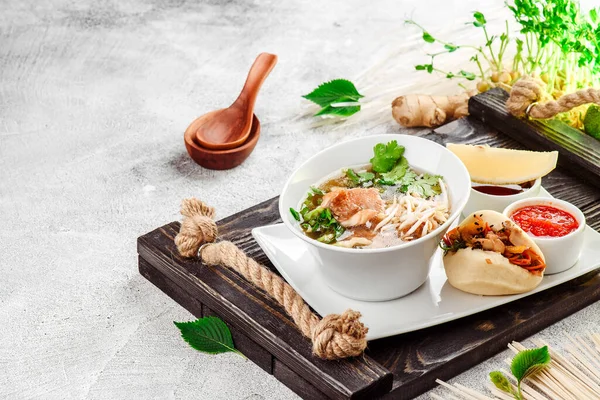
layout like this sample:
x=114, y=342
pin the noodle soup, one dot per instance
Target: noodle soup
x=376, y=205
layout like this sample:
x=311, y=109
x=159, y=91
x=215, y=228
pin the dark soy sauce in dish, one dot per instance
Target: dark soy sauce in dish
x=503, y=190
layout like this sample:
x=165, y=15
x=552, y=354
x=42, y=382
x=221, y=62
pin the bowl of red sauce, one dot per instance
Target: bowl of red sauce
x=498, y=197
x=555, y=225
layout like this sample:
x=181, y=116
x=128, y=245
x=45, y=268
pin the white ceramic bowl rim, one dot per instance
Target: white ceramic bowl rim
x=537, y=182
x=298, y=232
x=561, y=204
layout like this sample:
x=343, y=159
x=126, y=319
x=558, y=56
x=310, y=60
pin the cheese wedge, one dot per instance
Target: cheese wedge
x=498, y=166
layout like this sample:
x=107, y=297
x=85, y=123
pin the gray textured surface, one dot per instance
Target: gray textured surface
x=94, y=99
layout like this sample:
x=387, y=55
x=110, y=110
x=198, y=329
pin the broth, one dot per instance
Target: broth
x=357, y=208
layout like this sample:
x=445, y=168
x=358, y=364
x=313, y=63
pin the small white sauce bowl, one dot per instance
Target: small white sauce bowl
x=385, y=273
x=483, y=201
x=561, y=252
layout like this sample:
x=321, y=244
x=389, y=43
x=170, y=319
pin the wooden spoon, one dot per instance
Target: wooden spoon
x=230, y=127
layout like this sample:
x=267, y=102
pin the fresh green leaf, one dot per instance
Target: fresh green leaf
x=316, y=191
x=468, y=75
x=501, y=382
x=208, y=335
x=427, y=37
x=366, y=176
x=361, y=178
x=386, y=156
x=334, y=92
x=479, y=19
x=450, y=47
x=354, y=178
x=528, y=362
x=396, y=173
x=295, y=214
x=425, y=186
x=339, y=111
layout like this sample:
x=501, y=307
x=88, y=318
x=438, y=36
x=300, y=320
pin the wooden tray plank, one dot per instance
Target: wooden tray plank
x=253, y=351
x=579, y=152
x=298, y=384
x=234, y=299
x=243, y=343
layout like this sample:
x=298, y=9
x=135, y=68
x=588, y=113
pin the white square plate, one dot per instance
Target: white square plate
x=435, y=302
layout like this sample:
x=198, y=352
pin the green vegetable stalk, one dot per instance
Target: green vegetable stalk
x=556, y=42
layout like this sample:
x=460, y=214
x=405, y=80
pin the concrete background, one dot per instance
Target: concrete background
x=94, y=99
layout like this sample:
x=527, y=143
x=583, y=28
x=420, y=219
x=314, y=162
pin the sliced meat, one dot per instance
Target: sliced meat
x=354, y=207
x=360, y=218
x=491, y=242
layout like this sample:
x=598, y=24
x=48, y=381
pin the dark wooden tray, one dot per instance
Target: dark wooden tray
x=579, y=153
x=399, y=367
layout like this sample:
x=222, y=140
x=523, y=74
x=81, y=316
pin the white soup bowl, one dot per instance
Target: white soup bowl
x=385, y=273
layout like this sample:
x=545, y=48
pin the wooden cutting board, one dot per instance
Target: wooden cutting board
x=399, y=367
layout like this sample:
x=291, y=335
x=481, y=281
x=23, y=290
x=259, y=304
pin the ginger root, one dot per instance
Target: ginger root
x=430, y=111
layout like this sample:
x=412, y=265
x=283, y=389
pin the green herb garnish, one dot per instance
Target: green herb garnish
x=295, y=214
x=386, y=156
x=316, y=191
x=425, y=185
x=453, y=247
x=361, y=178
x=524, y=365
x=396, y=174
x=330, y=94
x=208, y=335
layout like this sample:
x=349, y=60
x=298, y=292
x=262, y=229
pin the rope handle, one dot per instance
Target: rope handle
x=336, y=336
x=527, y=92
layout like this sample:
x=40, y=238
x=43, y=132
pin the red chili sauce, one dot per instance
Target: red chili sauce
x=545, y=221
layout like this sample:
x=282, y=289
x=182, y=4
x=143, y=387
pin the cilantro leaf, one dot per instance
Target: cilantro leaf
x=208, y=335
x=386, y=156
x=396, y=173
x=361, y=178
x=425, y=186
x=334, y=91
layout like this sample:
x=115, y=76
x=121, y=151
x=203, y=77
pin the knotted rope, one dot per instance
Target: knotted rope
x=333, y=337
x=527, y=92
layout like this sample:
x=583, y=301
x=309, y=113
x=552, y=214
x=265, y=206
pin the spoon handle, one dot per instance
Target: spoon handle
x=259, y=71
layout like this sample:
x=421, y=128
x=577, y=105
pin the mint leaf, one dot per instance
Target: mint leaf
x=528, y=362
x=208, y=335
x=334, y=91
x=397, y=173
x=386, y=156
x=339, y=111
x=501, y=382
